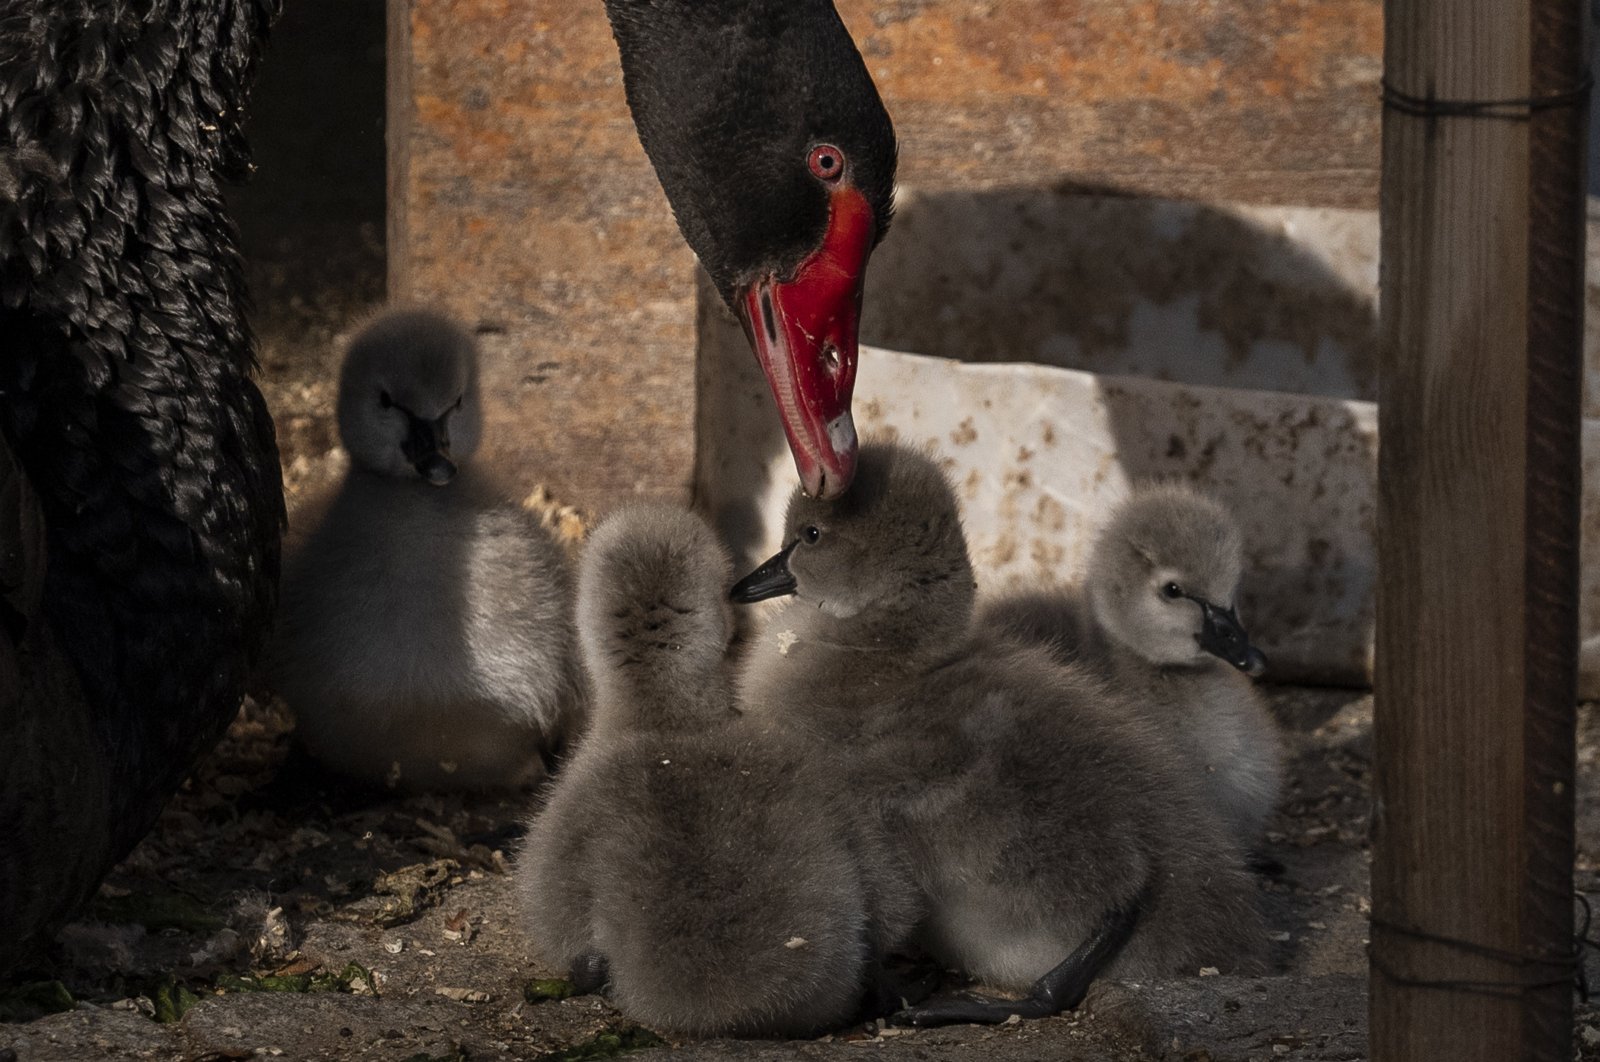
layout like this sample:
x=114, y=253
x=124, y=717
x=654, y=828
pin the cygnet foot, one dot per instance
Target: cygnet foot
x=897, y=984
x=589, y=974
x=1063, y=988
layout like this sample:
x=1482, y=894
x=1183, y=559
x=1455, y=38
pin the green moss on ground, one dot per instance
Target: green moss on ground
x=34, y=999
x=607, y=1044
x=353, y=978
x=543, y=989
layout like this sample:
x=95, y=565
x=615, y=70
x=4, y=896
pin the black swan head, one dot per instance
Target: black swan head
x=778, y=158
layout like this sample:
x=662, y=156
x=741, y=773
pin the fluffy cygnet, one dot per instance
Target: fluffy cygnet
x=1156, y=618
x=717, y=873
x=1049, y=828
x=425, y=633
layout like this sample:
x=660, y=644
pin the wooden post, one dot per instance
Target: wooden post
x=1480, y=383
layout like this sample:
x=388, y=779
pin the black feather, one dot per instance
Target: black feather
x=729, y=96
x=126, y=398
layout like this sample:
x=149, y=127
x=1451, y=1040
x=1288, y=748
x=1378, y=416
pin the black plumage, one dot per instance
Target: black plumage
x=728, y=96
x=778, y=158
x=131, y=428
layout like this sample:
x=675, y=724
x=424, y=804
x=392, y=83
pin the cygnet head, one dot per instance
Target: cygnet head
x=890, y=550
x=408, y=396
x=1163, y=577
x=654, y=621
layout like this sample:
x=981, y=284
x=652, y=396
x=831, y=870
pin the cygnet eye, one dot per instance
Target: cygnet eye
x=459, y=399
x=384, y=400
x=811, y=534
x=1171, y=591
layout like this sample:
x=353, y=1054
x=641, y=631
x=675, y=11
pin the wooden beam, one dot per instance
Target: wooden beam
x=1263, y=103
x=1479, y=387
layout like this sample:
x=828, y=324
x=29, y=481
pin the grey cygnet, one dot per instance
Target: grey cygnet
x=425, y=634
x=1049, y=828
x=718, y=874
x=1156, y=618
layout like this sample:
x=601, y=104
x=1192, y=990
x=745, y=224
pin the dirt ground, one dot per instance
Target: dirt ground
x=282, y=912
x=276, y=911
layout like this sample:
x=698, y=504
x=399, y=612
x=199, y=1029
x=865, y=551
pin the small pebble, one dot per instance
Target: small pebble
x=465, y=995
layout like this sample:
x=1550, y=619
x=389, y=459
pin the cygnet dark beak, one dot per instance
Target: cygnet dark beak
x=427, y=447
x=1223, y=636
x=772, y=579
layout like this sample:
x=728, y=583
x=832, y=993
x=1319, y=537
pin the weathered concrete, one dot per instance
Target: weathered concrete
x=1269, y=298
x=1040, y=454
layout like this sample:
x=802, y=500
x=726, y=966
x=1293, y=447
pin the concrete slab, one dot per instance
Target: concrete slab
x=1041, y=454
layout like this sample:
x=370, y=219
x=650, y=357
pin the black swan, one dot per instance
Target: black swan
x=140, y=498
x=778, y=158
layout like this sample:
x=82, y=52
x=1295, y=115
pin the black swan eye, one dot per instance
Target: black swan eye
x=384, y=400
x=826, y=162
x=1172, y=591
x=811, y=534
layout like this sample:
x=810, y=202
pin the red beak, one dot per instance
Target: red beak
x=804, y=334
